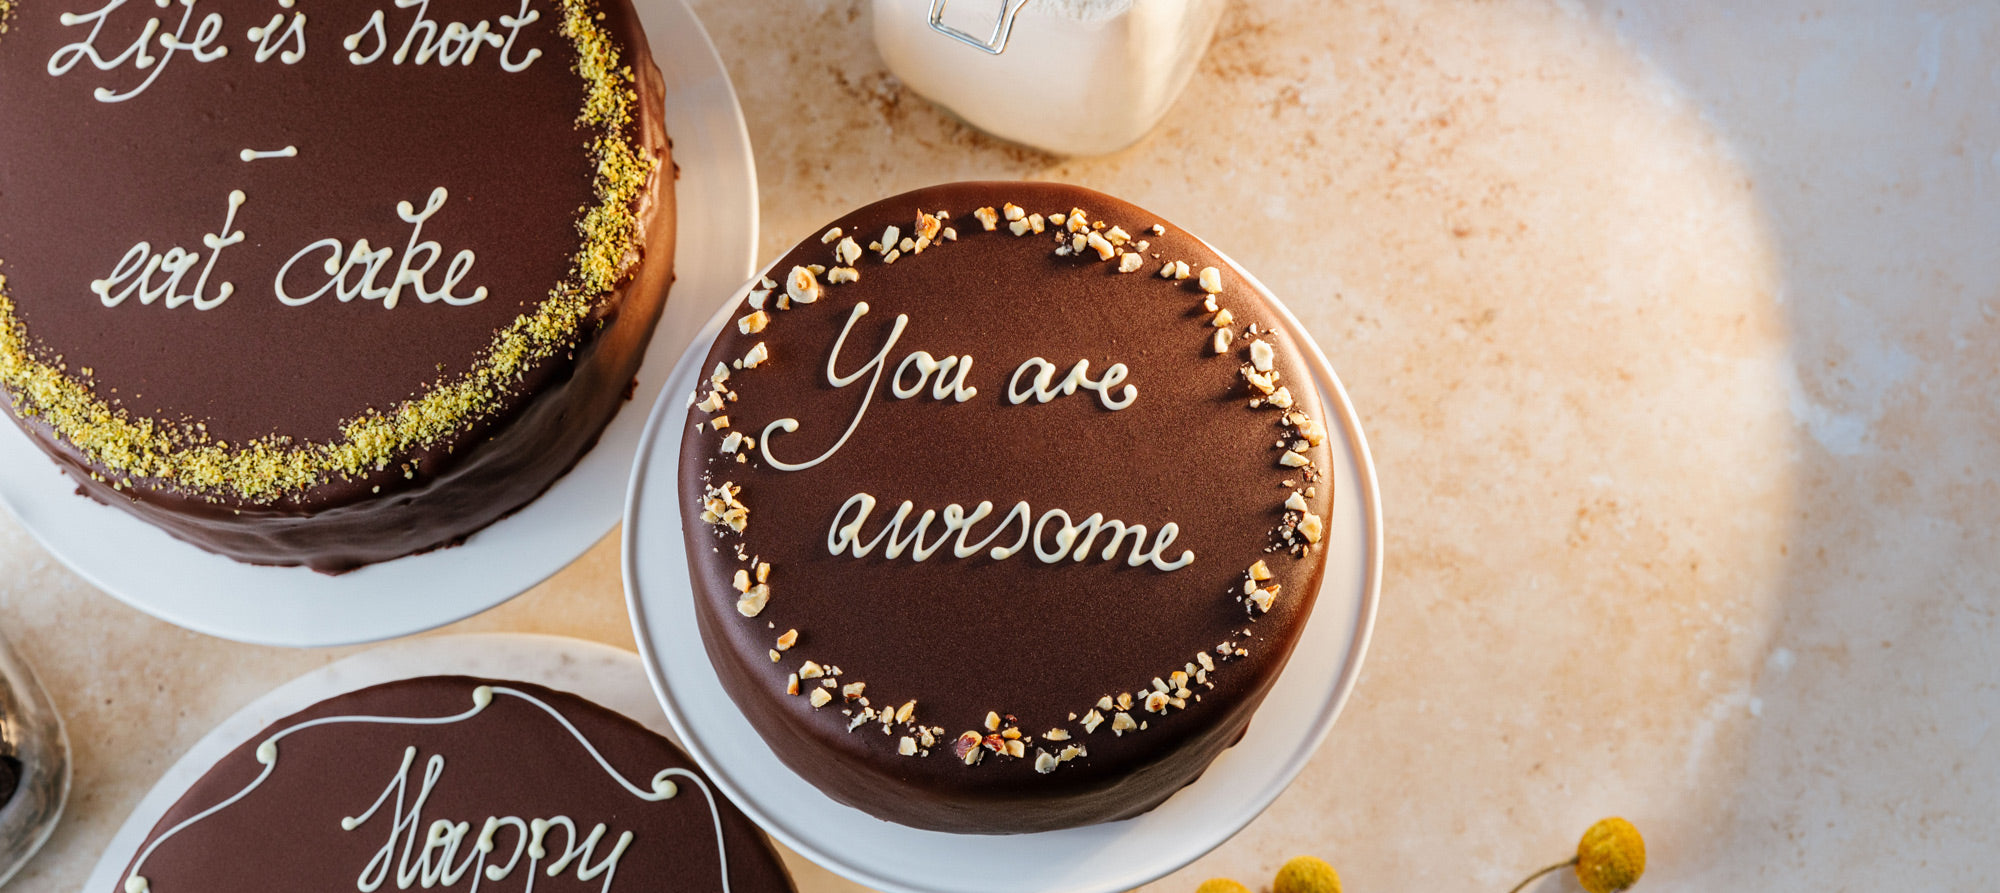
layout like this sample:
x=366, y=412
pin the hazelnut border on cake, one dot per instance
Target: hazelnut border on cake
x=851, y=605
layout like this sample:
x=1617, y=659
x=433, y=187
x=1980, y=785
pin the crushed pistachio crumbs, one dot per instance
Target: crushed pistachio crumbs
x=183, y=457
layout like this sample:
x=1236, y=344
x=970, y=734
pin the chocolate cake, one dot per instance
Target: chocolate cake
x=451, y=783
x=326, y=284
x=1003, y=504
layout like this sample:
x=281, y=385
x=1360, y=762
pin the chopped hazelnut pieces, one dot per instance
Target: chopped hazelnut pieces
x=763, y=572
x=1293, y=460
x=742, y=581
x=1207, y=663
x=1211, y=280
x=1104, y=703
x=1091, y=721
x=1014, y=748
x=853, y=690
x=819, y=698
x=907, y=746
x=758, y=297
x=1181, y=270
x=1296, y=502
x=1076, y=220
x=721, y=508
x=1156, y=702
x=752, y=603
x=1019, y=227
x=969, y=747
x=754, y=323
x=1223, y=318
x=1122, y=723
x=1312, y=528
x=1260, y=571
x=757, y=355
x=719, y=422
x=1281, y=398
x=906, y=712
x=890, y=237
x=842, y=275
x=1045, y=762
x=1130, y=262
x=848, y=251
x=1037, y=223
x=992, y=721
x=792, y=684
x=811, y=671
x=1013, y=211
x=733, y=442
x=1056, y=735
x=987, y=218
x=831, y=235
x=928, y=226
x=788, y=639
x=1261, y=355
x=1222, y=339
x=802, y=285
x=1105, y=250
x=1263, y=598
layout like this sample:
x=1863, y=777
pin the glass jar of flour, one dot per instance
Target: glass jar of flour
x=1073, y=77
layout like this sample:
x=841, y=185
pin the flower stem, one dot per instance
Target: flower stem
x=1537, y=875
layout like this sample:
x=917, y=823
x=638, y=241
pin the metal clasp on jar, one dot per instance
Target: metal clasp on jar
x=1003, y=28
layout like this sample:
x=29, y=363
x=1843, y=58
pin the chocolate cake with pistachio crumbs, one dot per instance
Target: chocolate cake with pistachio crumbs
x=326, y=283
x=1003, y=505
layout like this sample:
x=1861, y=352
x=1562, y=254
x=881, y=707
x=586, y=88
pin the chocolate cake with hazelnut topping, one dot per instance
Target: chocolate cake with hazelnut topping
x=326, y=284
x=1003, y=506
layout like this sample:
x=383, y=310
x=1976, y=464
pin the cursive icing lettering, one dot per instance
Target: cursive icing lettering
x=352, y=272
x=1041, y=387
x=872, y=369
x=429, y=856
x=1054, y=535
x=202, y=46
x=428, y=40
x=135, y=271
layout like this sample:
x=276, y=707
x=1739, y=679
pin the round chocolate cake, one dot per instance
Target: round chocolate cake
x=326, y=284
x=452, y=783
x=1002, y=504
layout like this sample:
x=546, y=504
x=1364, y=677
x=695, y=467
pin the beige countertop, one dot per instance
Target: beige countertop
x=1676, y=330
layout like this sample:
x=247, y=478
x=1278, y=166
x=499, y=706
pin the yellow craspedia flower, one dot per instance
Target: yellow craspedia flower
x=1611, y=857
x=1221, y=885
x=1306, y=874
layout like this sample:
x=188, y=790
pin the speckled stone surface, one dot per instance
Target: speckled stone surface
x=1674, y=327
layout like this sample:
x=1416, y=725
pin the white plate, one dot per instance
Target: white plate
x=181, y=584
x=1096, y=859
x=609, y=676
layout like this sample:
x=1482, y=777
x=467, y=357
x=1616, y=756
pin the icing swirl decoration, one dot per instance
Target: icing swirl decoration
x=446, y=851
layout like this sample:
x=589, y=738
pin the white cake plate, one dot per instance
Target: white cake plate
x=1107, y=858
x=716, y=246
x=612, y=677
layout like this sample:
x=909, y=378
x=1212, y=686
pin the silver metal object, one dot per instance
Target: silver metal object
x=1002, y=29
x=32, y=736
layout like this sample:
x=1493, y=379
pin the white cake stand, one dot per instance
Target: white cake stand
x=1107, y=858
x=609, y=676
x=716, y=246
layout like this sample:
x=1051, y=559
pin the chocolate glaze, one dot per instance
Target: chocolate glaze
x=89, y=179
x=966, y=636
x=512, y=759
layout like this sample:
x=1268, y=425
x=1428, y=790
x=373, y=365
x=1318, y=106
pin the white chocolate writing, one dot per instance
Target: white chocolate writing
x=1054, y=536
x=433, y=859
x=449, y=43
x=352, y=271
x=136, y=270
x=1041, y=388
x=202, y=46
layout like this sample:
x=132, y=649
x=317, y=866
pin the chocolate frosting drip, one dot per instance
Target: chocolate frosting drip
x=512, y=759
x=89, y=179
x=962, y=637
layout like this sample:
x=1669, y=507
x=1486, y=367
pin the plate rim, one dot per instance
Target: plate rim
x=1333, y=391
x=41, y=496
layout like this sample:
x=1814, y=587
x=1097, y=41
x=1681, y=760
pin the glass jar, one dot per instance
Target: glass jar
x=1073, y=77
